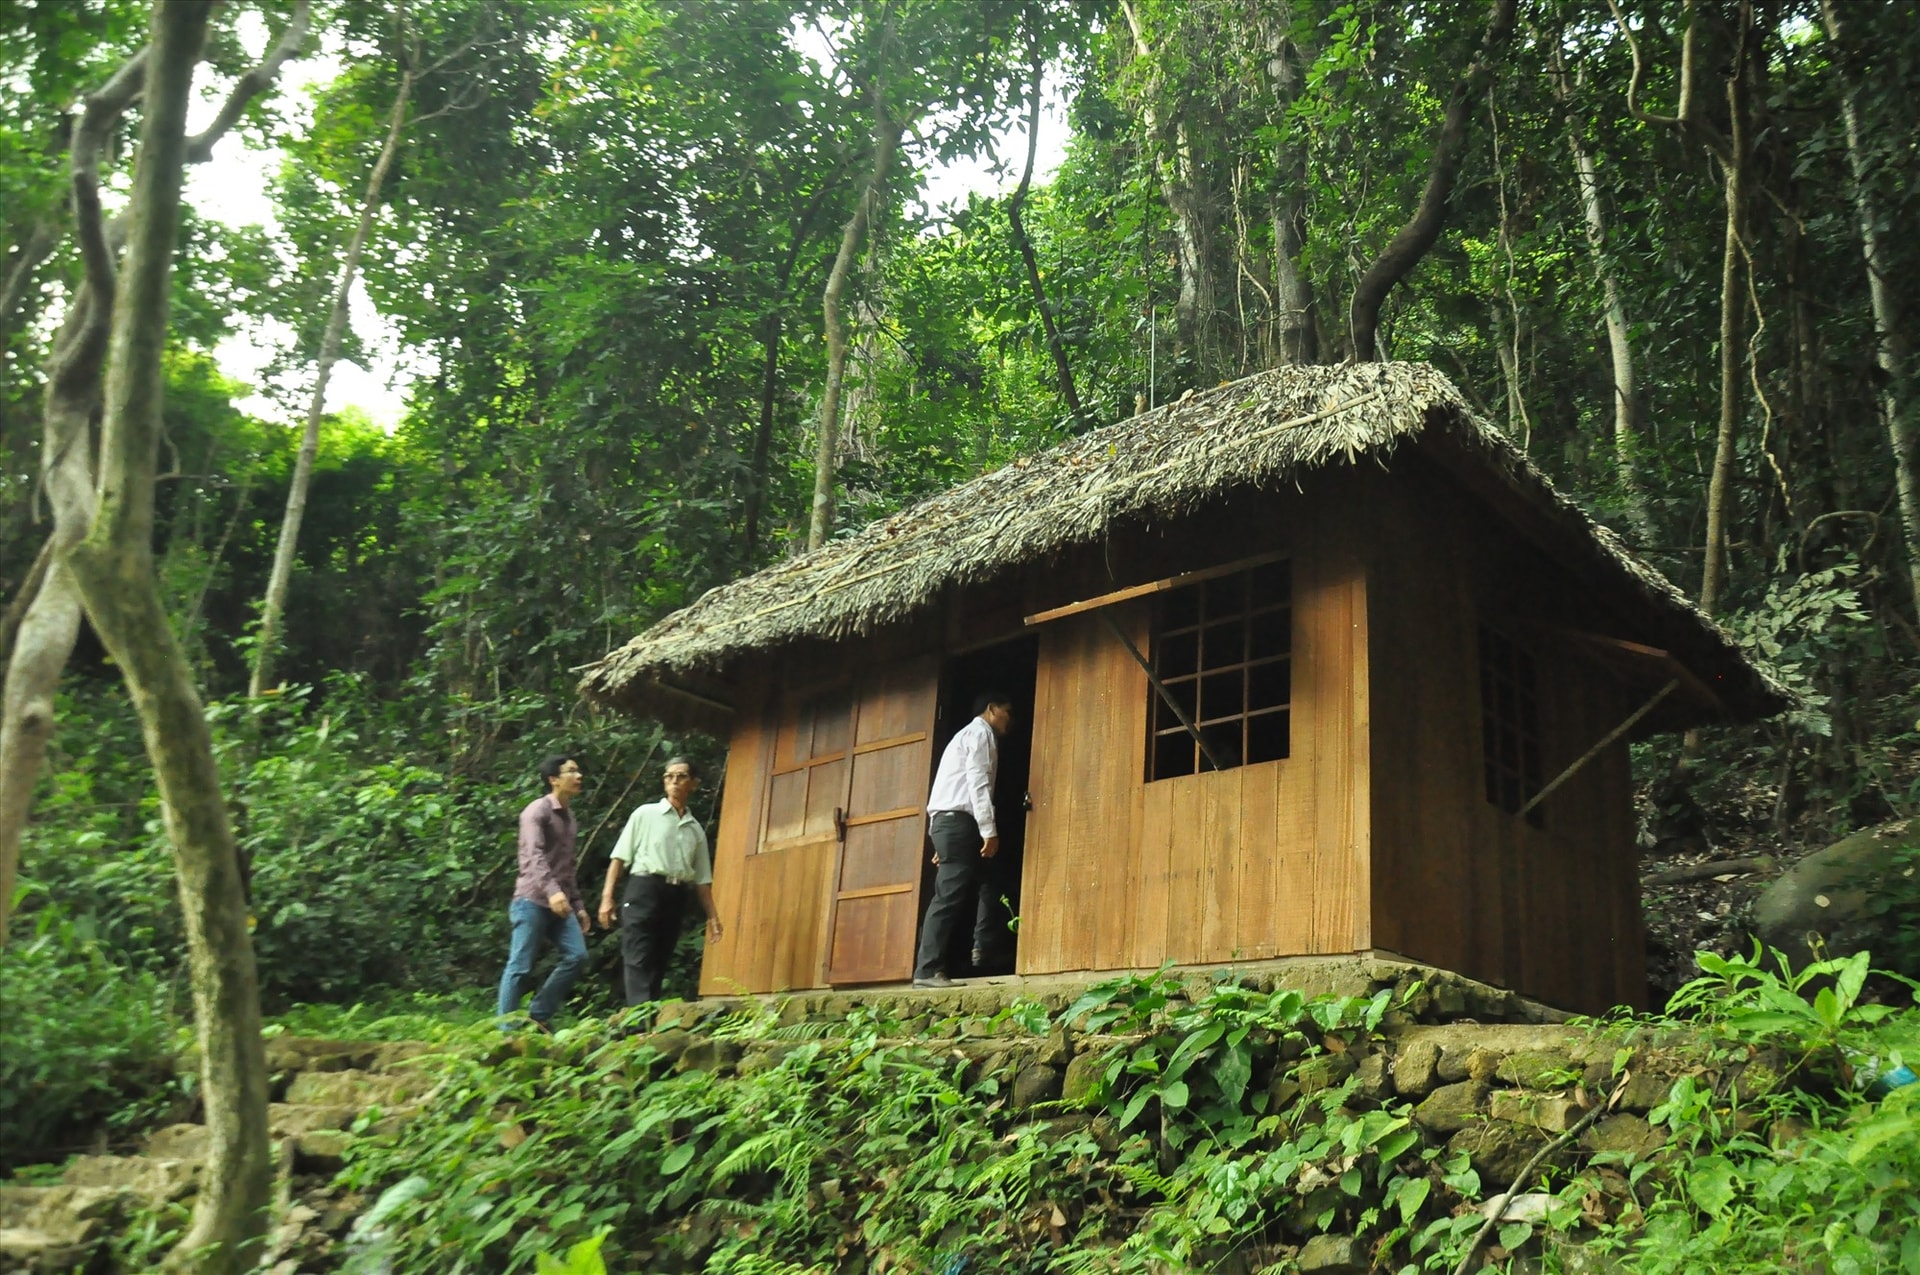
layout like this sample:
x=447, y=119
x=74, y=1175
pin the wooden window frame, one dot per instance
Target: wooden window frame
x=1230, y=735
x=1512, y=746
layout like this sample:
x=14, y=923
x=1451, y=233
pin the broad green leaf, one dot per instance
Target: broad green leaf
x=1711, y=1184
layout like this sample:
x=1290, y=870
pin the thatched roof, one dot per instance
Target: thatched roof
x=1263, y=431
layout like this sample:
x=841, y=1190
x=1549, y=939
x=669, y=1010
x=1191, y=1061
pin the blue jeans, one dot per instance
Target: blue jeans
x=534, y=925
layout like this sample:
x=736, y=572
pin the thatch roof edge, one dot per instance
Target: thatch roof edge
x=1262, y=431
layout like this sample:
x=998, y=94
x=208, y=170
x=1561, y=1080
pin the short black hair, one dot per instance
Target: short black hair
x=987, y=699
x=550, y=768
x=678, y=759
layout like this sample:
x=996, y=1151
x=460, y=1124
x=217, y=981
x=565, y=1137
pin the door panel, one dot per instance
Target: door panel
x=877, y=882
x=881, y=854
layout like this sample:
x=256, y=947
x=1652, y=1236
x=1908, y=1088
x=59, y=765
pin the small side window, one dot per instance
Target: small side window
x=1510, y=725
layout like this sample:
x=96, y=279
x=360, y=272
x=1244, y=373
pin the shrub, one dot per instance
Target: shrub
x=86, y=1046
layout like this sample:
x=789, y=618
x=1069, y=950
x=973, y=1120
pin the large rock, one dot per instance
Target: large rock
x=1499, y=1149
x=1416, y=1067
x=355, y=1088
x=1334, y=1255
x=1624, y=1135
x=1451, y=1108
x=56, y=1228
x=178, y=1142
x=1034, y=1084
x=1833, y=893
x=162, y=1181
x=1084, y=1074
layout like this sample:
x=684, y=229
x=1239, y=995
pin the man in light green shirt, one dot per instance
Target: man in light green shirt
x=663, y=854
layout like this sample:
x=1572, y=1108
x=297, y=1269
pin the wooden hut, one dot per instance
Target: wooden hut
x=1293, y=661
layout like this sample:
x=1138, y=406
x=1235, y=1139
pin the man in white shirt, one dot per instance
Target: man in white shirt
x=960, y=822
x=663, y=853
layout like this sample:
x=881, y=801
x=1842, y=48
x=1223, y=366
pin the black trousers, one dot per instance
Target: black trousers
x=956, y=891
x=653, y=911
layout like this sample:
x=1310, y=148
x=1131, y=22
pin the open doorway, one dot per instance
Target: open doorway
x=1011, y=668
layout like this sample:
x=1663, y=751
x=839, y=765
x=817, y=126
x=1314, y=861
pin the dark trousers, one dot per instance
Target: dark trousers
x=956, y=843
x=653, y=911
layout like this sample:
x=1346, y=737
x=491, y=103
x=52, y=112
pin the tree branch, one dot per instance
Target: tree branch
x=1062, y=369
x=1420, y=233
x=1688, y=118
x=103, y=109
x=252, y=84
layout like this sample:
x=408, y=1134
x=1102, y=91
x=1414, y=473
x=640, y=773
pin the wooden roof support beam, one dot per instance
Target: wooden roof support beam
x=1600, y=747
x=1131, y=592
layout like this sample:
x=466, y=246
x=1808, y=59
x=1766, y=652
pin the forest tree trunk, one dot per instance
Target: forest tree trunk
x=1896, y=397
x=51, y=622
x=273, y=609
x=886, y=138
x=72, y=398
x=113, y=570
x=1626, y=399
x=1180, y=180
x=1732, y=310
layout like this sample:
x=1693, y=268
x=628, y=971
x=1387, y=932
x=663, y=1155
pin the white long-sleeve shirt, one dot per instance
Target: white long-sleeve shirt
x=963, y=783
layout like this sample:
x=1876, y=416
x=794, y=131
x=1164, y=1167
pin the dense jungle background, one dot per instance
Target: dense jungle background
x=677, y=308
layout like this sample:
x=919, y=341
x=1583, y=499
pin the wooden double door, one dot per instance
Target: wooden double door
x=851, y=765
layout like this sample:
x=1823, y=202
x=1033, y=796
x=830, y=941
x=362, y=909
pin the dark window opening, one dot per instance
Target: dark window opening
x=1510, y=726
x=1223, y=650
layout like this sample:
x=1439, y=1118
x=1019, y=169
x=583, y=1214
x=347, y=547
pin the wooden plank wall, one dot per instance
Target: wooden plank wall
x=1551, y=912
x=1259, y=861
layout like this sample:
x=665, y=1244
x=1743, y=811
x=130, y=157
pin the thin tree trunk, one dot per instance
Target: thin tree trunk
x=762, y=453
x=113, y=569
x=1293, y=295
x=44, y=641
x=1062, y=370
x=1193, y=308
x=275, y=605
x=16, y=612
x=1903, y=436
x=1626, y=401
x=1732, y=311
x=1414, y=239
x=886, y=139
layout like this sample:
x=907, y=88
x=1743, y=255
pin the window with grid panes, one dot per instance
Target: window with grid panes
x=1223, y=649
x=1510, y=725
x=809, y=777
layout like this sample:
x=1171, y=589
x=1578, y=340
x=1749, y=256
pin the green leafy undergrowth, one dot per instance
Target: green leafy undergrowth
x=864, y=1150
x=1209, y=1126
x=424, y=1016
x=1812, y=1169
x=86, y=1046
